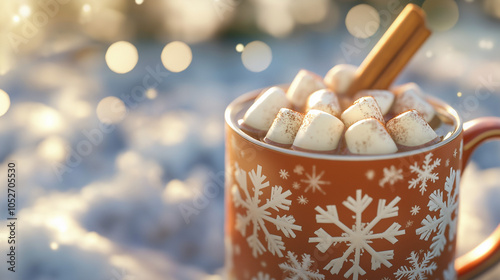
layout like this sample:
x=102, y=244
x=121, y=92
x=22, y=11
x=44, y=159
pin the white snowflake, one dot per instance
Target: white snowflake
x=418, y=270
x=409, y=223
x=370, y=174
x=296, y=270
x=258, y=213
x=302, y=200
x=284, y=174
x=299, y=169
x=447, y=208
x=296, y=185
x=314, y=181
x=424, y=173
x=359, y=236
x=391, y=176
x=262, y=276
x=450, y=273
x=455, y=153
x=447, y=163
x=415, y=210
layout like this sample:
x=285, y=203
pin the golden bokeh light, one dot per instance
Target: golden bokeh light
x=54, y=148
x=176, y=56
x=256, y=56
x=86, y=8
x=486, y=44
x=176, y=191
x=25, y=11
x=151, y=93
x=111, y=110
x=54, y=246
x=4, y=102
x=240, y=47
x=441, y=14
x=139, y=2
x=121, y=57
x=362, y=21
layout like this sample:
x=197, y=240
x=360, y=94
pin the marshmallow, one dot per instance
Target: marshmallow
x=340, y=77
x=411, y=99
x=408, y=87
x=324, y=100
x=384, y=98
x=410, y=129
x=369, y=136
x=319, y=131
x=302, y=86
x=261, y=114
x=363, y=108
x=284, y=127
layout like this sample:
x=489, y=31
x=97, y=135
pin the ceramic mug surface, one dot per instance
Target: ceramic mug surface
x=297, y=215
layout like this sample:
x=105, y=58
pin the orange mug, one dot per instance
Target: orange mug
x=297, y=215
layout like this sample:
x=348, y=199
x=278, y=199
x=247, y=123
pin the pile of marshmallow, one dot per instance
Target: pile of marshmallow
x=309, y=116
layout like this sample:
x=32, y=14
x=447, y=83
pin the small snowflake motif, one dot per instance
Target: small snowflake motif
x=296, y=185
x=385, y=278
x=314, y=181
x=455, y=153
x=295, y=270
x=415, y=210
x=418, y=270
x=284, y=174
x=424, y=173
x=370, y=174
x=360, y=236
x=461, y=149
x=409, y=223
x=302, y=200
x=391, y=176
x=450, y=273
x=259, y=212
x=262, y=276
x=447, y=163
x=299, y=170
x=447, y=208
x=263, y=264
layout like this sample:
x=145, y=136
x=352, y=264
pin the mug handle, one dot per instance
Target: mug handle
x=486, y=254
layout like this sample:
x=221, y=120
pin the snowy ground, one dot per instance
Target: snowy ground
x=114, y=214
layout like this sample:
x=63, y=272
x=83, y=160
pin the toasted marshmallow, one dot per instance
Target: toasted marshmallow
x=384, y=98
x=410, y=129
x=324, y=100
x=319, y=131
x=304, y=83
x=284, y=127
x=363, y=108
x=340, y=77
x=369, y=136
x=261, y=114
x=411, y=99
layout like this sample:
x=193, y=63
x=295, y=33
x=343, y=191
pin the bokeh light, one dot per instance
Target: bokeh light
x=176, y=191
x=139, y=2
x=121, y=57
x=256, y=56
x=54, y=246
x=25, y=11
x=441, y=14
x=111, y=110
x=54, y=148
x=86, y=8
x=486, y=44
x=240, y=47
x=151, y=93
x=309, y=11
x=362, y=21
x=176, y=56
x=4, y=102
x=16, y=18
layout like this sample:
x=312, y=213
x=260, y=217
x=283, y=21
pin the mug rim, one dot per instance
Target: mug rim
x=443, y=106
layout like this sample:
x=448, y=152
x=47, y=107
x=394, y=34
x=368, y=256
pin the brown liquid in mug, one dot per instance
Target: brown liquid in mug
x=443, y=124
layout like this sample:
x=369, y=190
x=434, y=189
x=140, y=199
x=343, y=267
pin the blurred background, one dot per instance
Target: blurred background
x=113, y=110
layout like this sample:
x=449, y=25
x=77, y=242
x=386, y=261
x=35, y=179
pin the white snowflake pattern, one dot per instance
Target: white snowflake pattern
x=302, y=200
x=262, y=276
x=299, y=169
x=450, y=273
x=415, y=210
x=284, y=174
x=295, y=270
x=418, y=270
x=447, y=163
x=314, y=181
x=258, y=214
x=370, y=174
x=296, y=185
x=409, y=223
x=360, y=236
x=447, y=207
x=455, y=153
x=424, y=173
x=391, y=176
